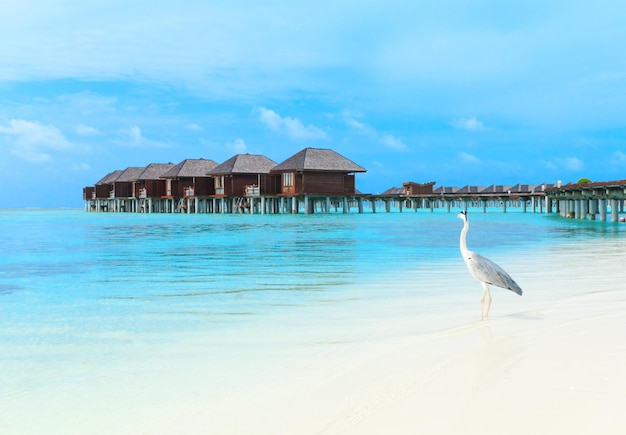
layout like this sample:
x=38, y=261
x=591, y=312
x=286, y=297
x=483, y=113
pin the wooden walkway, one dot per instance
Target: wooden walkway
x=360, y=203
x=590, y=200
x=593, y=201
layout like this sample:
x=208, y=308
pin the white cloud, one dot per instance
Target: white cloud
x=469, y=159
x=618, y=158
x=137, y=138
x=194, y=127
x=548, y=164
x=292, y=127
x=32, y=141
x=81, y=167
x=388, y=140
x=469, y=124
x=238, y=146
x=134, y=132
x=85, y=130
x=571, y=163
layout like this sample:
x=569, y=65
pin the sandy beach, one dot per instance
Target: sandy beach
x=551, y=362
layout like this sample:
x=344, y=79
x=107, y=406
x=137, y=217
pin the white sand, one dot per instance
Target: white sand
x=553, y=361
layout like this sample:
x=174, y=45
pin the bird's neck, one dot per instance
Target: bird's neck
x=464, y=236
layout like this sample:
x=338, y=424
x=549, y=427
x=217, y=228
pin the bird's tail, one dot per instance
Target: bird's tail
x=515, y=288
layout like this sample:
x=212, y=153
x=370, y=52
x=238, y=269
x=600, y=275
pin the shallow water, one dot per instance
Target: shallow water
x=92, y=304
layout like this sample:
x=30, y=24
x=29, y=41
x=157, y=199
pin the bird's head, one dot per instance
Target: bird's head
x=462, y=215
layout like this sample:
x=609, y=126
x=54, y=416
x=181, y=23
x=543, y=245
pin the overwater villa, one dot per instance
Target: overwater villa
x=321, y=180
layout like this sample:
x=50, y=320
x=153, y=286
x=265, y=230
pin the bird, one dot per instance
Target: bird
x=484, y=270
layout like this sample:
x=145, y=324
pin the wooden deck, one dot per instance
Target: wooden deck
x=593, y=201
x=256, y=203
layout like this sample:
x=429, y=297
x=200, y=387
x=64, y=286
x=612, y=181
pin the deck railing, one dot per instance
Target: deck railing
x=252, y=190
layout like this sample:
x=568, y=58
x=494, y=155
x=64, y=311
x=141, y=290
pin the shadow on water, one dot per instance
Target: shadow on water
x=576, y=229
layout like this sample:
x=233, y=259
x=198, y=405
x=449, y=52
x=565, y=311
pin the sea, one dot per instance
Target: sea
x=113, y=322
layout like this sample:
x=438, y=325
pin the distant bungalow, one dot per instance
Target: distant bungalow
x=316, y=179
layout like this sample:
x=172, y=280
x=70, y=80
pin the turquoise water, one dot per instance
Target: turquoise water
x=106, y=272
x=83, y=292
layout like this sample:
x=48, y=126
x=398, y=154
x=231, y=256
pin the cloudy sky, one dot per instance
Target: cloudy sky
x=458, y=92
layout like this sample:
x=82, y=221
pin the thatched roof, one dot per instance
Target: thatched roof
x=154, y=171
x=190, y=168
x=244, y=164
x=318, y=159
x=110, y=178
x=130, y=174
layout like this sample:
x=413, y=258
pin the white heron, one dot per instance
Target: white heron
x=484, y=270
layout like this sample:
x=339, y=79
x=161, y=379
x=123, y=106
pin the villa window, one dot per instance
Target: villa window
x=219, y=184
x=288, y=179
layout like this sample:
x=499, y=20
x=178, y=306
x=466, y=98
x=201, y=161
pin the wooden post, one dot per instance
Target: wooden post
x=602, y=207
x=614, y=210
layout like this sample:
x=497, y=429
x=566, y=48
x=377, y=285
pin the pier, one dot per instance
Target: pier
x=321, y=181
x=594, y=201
x=317, y=203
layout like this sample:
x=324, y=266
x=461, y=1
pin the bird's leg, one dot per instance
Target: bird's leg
x=486, y=293
x=482, y=301
x=490, y=299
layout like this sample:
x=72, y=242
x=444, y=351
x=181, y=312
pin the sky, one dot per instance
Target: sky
x=458, y=92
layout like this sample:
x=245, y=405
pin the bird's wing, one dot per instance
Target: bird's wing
x=487, y=271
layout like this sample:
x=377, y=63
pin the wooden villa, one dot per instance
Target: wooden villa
x=321, y=180
x=151, y=189
x=99, y=195
x=123, y=190
x=412, y=188
x=240, y=178
x=315, y=176
x=189, y=185
x=316, y=171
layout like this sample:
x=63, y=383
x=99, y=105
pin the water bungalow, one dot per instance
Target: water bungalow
x=239, y=180
x=315, y=171
x=101, y=192
x=317, y=176
x=123, y=193
x=321, y=180
x=189, y=186
x=424, y=195
x=152, y=189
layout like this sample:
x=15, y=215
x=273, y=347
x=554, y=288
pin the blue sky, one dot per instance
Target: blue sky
x=457, y=92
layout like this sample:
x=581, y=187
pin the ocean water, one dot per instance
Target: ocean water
x=127, y=314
